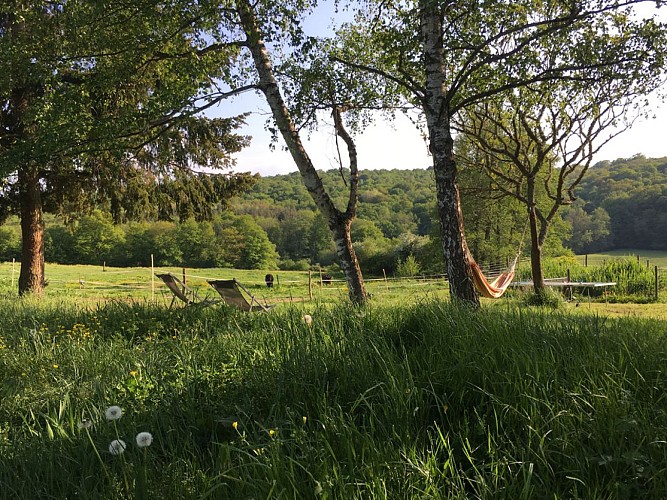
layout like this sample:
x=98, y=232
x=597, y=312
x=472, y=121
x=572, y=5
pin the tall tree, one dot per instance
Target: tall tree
x=88, y=90
x=444, y=56
x=543, y=139
x=279, y=23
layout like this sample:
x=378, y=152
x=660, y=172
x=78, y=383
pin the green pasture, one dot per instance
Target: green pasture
x=97, y=284
x=645, y=257
x=419, y=400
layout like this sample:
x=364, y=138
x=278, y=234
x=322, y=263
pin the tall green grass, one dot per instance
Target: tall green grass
x=423, y=401
x=634, y=281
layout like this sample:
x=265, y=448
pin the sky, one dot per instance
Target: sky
x=398, y=145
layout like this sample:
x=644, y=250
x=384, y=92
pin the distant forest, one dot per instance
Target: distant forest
x=621, y=204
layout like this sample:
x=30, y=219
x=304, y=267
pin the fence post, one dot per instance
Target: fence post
x=385, y=279
x=13, y=270
x=152, y=279
x=586, y=260
x=310, y=285
x=657, y=287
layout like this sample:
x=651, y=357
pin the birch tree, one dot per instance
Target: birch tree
x=443, y=56
x=250, y=26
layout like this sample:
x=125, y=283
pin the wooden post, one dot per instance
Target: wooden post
x=13, y=270
x=657, y=287
x=568, y=290
x=184, y=277
x=310, y=285
x=152, y=279
x=321, y=284
x=385, y=279
x=638, y=259
x=586, y=260
x=104, y=266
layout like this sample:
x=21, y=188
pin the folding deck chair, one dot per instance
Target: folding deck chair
x=230, y=291
x=180, y=291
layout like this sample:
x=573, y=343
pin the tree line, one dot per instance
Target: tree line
x=275, y=224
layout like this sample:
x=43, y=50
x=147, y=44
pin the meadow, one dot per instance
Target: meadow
x=410, y=397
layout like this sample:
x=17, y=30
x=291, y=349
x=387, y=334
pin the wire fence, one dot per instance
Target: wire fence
x=103, y=283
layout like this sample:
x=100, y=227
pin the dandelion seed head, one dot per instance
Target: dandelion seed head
x=117, y=447
x=113, y=413
x=85, y=424
x=308, y=319
x=144, y=439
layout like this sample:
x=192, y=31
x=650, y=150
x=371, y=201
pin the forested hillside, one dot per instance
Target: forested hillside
x=621, y=204
x=631, y=193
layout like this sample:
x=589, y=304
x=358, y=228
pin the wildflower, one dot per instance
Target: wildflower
x=305, y=419
x=272, y=432
x=117, y=447
x=308, y=319
x=113, y=413
x=133, y=373
x=235, y=424
x=144, y=439
x=55, y=365
x=84, y=424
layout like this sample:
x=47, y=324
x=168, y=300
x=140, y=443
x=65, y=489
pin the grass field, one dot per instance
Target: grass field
x=408, y=401
x=409, y=397
x=654, y=257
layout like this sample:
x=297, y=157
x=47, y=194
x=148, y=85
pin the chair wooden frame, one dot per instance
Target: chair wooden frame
x=231, y=293
x=182, y=292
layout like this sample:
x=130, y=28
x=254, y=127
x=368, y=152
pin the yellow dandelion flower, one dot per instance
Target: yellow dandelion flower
x=305, y=419
x=235, y=424
x=272, y=432
x=55, y=365
x=133, y=373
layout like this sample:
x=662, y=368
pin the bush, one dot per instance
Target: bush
x=408, y=268
x=294, y=265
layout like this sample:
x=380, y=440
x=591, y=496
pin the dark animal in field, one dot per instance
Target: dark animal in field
x=269, y=280
x=327, y=279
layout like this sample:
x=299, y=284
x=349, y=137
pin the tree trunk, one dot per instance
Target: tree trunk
x=535, y=243
x=338, y=222
x=536, y=255
x=348, y=261
x=31, y=278
x=436, y=109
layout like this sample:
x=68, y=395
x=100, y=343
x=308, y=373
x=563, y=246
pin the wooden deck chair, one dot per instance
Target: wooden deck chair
x=180, y=291
x=230, y=291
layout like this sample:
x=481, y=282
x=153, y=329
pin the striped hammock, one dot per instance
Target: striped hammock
x=491, y=289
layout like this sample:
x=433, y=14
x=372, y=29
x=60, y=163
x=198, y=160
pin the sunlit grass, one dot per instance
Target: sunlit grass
x=411, y=401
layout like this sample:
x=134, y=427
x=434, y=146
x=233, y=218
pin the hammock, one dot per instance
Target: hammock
x=496, y=288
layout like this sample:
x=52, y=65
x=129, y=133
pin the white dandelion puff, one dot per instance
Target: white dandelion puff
x=144, y=439
x=308, y=319
x=85, y=424
x=113, y=413
x=117, y=447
